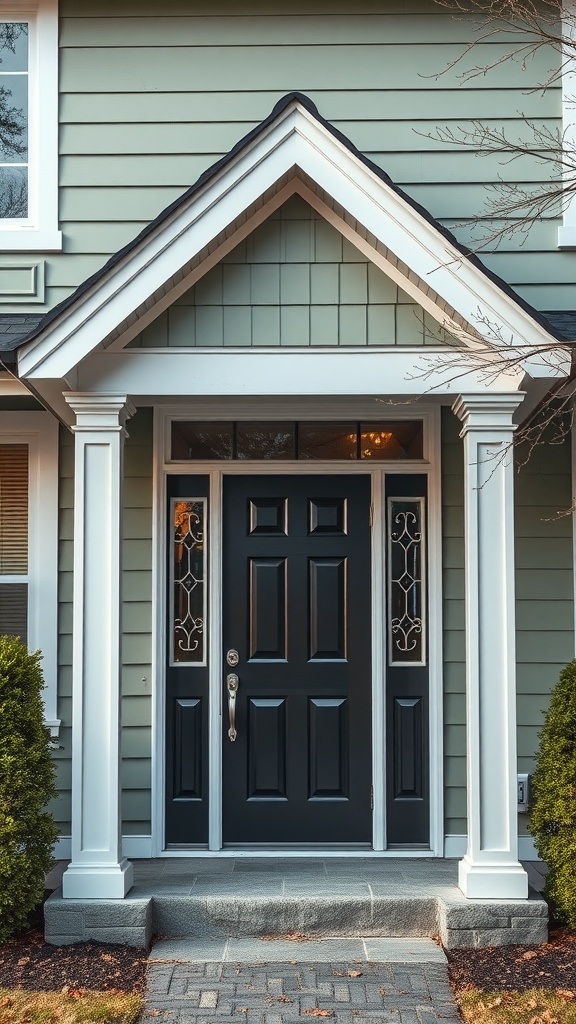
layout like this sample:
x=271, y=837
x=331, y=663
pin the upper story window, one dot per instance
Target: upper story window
x=29, y=126
x=13, y=120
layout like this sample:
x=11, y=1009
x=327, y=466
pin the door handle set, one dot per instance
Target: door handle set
x=232, y=684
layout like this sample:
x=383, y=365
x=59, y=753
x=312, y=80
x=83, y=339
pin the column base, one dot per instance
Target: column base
x=97, y=881
x=494, y=881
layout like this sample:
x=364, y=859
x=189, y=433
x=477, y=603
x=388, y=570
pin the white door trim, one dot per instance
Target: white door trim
x=216, y=471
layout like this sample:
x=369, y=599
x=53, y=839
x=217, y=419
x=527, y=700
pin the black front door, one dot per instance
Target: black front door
x=296, y=610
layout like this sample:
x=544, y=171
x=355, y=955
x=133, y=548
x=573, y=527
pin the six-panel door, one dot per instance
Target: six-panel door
x=296, y=608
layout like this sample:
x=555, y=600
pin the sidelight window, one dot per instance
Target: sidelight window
x=188, y=582
x=406, y=562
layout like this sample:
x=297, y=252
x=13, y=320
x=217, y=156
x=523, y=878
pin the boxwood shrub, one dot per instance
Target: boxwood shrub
x=27, y=782
x=553, y=811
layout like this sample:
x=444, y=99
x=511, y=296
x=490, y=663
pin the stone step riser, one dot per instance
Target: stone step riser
x=215, y=917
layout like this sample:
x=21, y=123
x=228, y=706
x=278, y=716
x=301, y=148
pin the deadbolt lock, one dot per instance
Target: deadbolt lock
x=232, y=658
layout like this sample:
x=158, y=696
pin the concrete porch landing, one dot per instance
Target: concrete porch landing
x=234, y=898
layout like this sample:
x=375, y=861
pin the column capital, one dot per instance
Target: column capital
x=99, y=411
x=487, y=411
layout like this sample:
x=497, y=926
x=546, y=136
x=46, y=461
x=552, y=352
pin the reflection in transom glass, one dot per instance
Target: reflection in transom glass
x=327, y=441
x=202, y=440
x=188, y=581
x=265, y=441
x=380, y=441
x=13, y=119
x=391, y=440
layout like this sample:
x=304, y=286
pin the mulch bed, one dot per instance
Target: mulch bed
x=28, y=962
x=552, y=965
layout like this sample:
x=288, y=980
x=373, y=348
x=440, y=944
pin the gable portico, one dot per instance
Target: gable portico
x=82, y=353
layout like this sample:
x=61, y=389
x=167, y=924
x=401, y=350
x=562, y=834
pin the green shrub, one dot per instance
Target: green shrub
x=27, y=782
x=553, y=812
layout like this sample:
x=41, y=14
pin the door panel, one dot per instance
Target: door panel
x=296, y=607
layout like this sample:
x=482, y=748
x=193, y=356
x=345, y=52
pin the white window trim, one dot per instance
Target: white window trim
x=567, y=230
x=39, y=231
x=39, y=430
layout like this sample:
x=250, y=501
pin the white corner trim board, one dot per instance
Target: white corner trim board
x=567, y=230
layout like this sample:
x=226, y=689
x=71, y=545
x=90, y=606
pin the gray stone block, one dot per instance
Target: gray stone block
x=472, y=916
x=119, y=921
x=403, y=917
x=62, y=921
x=121, y=936
x=179, y=915
x=123, y=913
x=458, y=938
x=530, y=935
x=61, y=940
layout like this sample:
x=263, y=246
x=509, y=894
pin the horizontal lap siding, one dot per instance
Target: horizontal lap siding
x=544, y=589
x=453, y=626
x=140, y=122
x=137, y=619
x=137, y=627
x=61, y=806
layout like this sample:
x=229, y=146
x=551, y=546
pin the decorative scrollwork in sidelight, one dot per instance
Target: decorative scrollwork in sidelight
x=405, y=587
x=189, y=580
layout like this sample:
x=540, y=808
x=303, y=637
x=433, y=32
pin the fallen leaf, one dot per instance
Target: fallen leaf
x=566, y=993
x=529, y=954
x=317, y=1012
x=354, y=974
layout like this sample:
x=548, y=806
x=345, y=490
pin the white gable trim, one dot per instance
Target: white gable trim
x=295, y=139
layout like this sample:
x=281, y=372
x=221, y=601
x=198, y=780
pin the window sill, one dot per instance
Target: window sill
x=567, y=237
x=54, y=726
x=30, y=240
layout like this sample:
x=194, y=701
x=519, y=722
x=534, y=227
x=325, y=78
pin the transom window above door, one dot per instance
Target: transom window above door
x=381, y=441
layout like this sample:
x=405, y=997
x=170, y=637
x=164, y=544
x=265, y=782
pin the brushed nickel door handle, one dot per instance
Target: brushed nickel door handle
x=232, y=684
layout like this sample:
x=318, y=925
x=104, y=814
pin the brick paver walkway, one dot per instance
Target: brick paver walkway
x=287, y=993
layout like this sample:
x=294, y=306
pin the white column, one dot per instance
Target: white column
x=97, y=870
x=490, y=868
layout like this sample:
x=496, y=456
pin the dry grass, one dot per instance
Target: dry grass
x=69, y=1006
x=535, y=1006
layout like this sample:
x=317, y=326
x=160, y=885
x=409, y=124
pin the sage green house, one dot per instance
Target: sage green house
x=295, y=585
